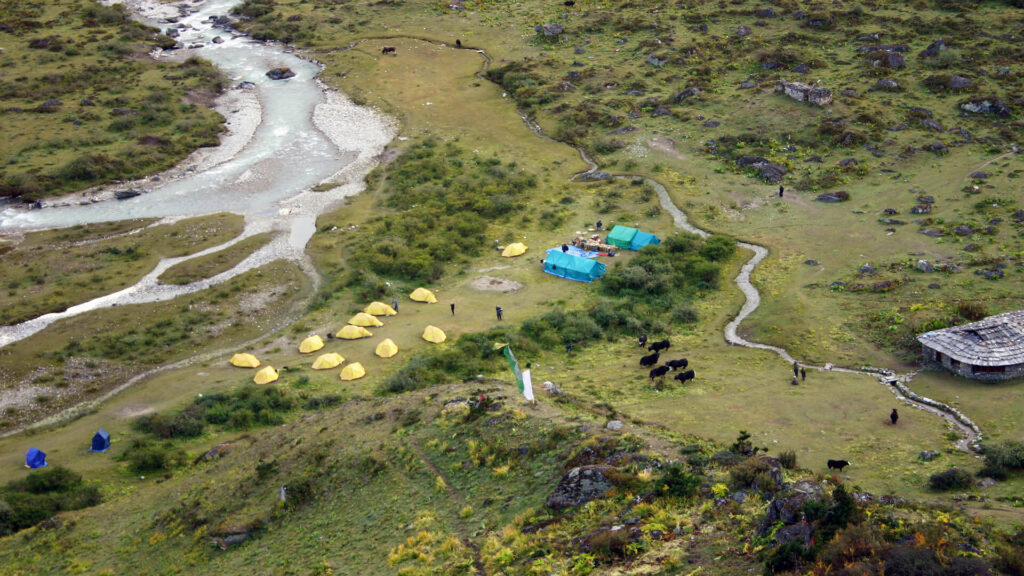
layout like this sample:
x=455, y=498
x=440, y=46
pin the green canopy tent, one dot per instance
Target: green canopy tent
x=621, y=236
x=572, y=267
x=641, y=239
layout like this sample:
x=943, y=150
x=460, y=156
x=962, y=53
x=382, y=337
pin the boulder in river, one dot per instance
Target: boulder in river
x=280, y=73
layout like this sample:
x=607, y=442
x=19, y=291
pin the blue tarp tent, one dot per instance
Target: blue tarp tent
x=573, y=267
x=621, y=236
x=101, y=441
x=641, y=239
x=35, y=458
x=575, y=252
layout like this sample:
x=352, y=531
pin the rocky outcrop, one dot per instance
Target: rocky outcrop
x=579, y=486
x=770, y=171
x=830, y=197
x=991, y=105
x=549, y=30
x=280, y=73
x=805, y=92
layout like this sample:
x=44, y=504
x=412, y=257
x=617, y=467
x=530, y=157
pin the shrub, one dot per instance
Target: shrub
x=677, y=482
x=1002, y=458
x=911, y=561
x=952, y=479
x=788, y=459
x=147, y=457
x=50, y=479
x=6, y=519
x=752, y=472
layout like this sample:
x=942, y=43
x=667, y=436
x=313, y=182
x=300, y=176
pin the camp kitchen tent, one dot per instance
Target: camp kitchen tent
x=328, y=361
x=35, y=458
x=100, y=441
x=266, y=375
x=311, y=344
x=353, y=371
x=621, y=236
x=423, y=295
x=351, y=332
x=514, y=249
x=641, y=239
x=434, y=334
x=387, y=348
x=245, y=361
x=364, y=319
x=380, y=309
x=573, y=267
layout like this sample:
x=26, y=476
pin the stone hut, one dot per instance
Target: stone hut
x=805, y=92
x=990, y=349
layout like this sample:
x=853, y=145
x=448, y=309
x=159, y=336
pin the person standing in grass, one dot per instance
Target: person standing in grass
x=796, y=369
x=453, y=308
x=803, y=374
x=394, y=303
x=498, y=311
x=781, y=190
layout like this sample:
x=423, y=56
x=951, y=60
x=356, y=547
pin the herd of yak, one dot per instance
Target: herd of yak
x=661, y=371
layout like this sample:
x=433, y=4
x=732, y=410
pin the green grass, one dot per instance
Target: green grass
x=119, y=113
x=195, y=269
x=53, y=270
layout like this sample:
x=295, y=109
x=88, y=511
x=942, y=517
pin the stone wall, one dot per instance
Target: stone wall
x=967, y=370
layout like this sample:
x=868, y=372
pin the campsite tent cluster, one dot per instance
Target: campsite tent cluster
x=356, y=328
x=630, y=238
x=577, y=264
x=36, y=458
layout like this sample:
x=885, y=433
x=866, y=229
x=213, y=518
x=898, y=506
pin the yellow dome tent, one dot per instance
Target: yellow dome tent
x=311, y=344
x=380, y=309
x=351, y=332
x=353, y=371
x=423, y=295
x=387, y=348
x=328, y=361
x=434, y=334
x=364, y=319
x=266, y=375
x=245, y=360
x=514, y=249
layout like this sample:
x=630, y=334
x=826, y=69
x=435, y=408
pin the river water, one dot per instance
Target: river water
x=306, y=135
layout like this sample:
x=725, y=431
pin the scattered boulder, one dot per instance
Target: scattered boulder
x=748, y=84
x=171, y=33
x=990, y=105
x=980, y=175
x=932, y=232
x=218, y=451
x=963, y=230
x=892, y=60
x=687, y=93
x=849, y=93
x=986, y=482
x=787, y=511
x=934, y=286
x=218, y=40
x=743, y=31
x=928, y=455
x=925, y=266
x=614, y=425
x=921, y=209
x=884, y=48
x=867, y=269
x=770, y=171
x=832, y=197
x=898, y=127
x=768, y=12
x=655, y=61
x=549, y=30
x=805, y=93
x=811, y=262
x=86, y=102
x=938, y=147
x=280, y=73
x=1018, y=216
x=579, y=486
x=887, y=84
x=957, y=82
x=845, y=162
x=932, y=125
x=933, y=49
x=801, y=69
x=712, y=124
x=926, y=199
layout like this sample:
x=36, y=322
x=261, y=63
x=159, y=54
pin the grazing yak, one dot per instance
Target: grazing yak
x=389, y=50
x=837, y=464
x=649, y=360
x=684, y=376
x=659, y=372
x=643, y=340
x=570, y=4
x=658, y=346
x=894, y=417
x=673, y=364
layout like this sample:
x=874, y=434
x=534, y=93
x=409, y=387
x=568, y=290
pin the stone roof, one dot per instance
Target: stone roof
x=995, y=341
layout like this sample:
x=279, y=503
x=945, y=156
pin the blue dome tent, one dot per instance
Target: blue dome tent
x=101, y=441
x=35, y=458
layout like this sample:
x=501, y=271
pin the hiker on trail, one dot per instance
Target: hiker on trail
x=894, y=416
x=599, y=224
x=394, y=304
x=453, y=308
x=498, y=311
x=796, y=369
x=781, y=189
x=803, y=374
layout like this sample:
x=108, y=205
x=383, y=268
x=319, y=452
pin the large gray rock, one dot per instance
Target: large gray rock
x=743, y=31
x=926, y=267
x=768, y=12
x=986, y=106
x=280, y=73
x=934, y=48
x=549, y=30
x=805, y=92
x=579, y=486
x=928, y=455
x=887, y=84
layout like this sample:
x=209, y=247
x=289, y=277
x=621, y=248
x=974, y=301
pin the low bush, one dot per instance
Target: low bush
x=42, y=494
x=788, y=459
x=952, y=479
x=145, y=457
x=677, y=482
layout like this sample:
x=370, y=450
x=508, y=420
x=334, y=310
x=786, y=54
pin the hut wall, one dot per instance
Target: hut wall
x=933, y=358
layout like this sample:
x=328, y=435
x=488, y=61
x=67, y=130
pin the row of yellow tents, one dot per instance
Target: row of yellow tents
x=353, y=371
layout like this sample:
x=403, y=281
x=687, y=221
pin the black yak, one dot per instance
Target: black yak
x=837, y=464
x=658, y=346
x=458, y=43
x=389, y=50
x=673, y=364
x=643, y=340
x=684, y=376
x=649, y=360
x=659, y=372
x=894, y=416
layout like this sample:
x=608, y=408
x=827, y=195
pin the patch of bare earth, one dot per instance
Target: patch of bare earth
x=493, y=284
x=666, y=146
